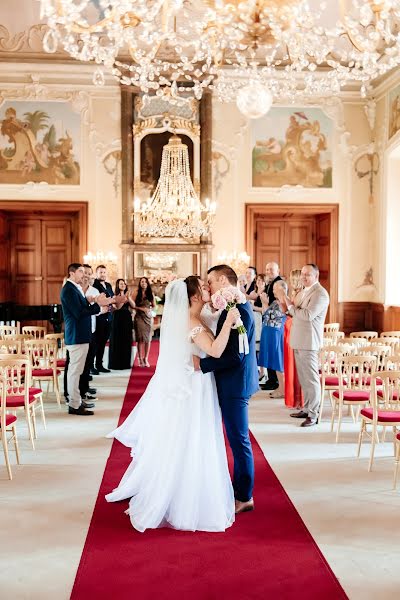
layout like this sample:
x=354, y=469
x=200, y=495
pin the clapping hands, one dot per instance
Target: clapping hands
x=102, y=300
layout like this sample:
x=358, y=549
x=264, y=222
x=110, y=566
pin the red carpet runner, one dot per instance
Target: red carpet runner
x=266, y=555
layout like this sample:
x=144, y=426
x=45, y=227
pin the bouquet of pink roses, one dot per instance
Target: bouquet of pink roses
x=227, y=298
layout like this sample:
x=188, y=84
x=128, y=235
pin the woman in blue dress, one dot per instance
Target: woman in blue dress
x=271, y=342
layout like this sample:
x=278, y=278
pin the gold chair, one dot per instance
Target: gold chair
x=9, y=330
x=36, y=332
x=10, y=347
x=393, y=342
x=43, y=360
x=331, y=327
x=386, y=414
x=368, y=335
x=358, y=341
x=15, y=369
x=61, y=352
x=354, y=385
x=7, y=425
x=394, y=333
x=329, y=357
x=379, y=350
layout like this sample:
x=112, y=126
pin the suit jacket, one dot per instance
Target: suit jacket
x=77, y=315
x=308, y=319
x=236, y=374
x=108, y=291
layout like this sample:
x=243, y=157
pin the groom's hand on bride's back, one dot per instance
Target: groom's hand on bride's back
x=196, y=362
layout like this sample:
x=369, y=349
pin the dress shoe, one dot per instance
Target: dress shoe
x=87, y=404
x=269, y=387
x=94, y=371
x=79, y=411
x=309, y=422
x=244, y=506
x=299, y=415
x=103, y=370
x=92, y=391
x=90, y=378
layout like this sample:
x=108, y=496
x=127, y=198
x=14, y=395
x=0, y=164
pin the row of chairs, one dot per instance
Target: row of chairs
x=27, y=360
x=364, y=377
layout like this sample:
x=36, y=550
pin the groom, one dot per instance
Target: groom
x=236, y=376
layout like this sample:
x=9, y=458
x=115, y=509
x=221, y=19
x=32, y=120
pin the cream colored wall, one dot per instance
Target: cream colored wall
x=387, y=205
x=99, y=109
x=231, y=137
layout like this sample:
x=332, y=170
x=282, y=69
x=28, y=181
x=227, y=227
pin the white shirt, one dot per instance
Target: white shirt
x=92, y=291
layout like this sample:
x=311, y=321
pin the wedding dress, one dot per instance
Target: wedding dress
x=179, y=474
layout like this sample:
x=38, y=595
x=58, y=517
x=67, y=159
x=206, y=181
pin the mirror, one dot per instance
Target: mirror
x=159, y=267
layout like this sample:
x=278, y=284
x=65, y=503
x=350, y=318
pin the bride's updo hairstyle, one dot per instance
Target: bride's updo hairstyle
x=193, y=287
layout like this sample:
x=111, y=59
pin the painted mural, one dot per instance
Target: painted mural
x=394, y=111
x=39, y=142
x=292, y=146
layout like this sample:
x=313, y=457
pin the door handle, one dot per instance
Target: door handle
x=39, y=278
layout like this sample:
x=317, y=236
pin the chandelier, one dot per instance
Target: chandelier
x=174, y=210
x=239, y=261
x=296, y=47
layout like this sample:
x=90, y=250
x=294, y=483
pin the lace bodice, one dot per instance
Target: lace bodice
x=195, y=349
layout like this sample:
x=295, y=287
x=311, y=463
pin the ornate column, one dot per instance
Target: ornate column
x=127, y=101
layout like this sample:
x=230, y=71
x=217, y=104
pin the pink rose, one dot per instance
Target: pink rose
x=218, y=301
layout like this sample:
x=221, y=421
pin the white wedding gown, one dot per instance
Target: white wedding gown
x=179, y=474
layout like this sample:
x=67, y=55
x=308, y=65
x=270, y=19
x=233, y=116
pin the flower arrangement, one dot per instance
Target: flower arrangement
x=226, y=299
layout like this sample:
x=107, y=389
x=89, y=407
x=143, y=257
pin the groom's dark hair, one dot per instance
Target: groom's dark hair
x=225, y=270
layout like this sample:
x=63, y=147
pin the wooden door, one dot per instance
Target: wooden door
x=270, y=243
x=56, y=238
x=288, y=241
x=4, y=259
x=41, y=249
x=26, y=261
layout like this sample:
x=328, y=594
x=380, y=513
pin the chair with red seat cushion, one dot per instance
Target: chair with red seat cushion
x=354, y=372
x=61, y=351
x=329, y=356
x=15, y=369
x=7, y=425
x=384, y=411
x=43, y=358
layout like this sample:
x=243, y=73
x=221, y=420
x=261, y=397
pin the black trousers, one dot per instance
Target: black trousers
x=102, y=334
x=84, y=378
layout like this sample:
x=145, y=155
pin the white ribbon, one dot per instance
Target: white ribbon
x=243, y=343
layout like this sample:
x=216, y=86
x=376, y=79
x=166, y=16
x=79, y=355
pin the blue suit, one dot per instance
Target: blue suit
x=77, y=315
x=236, y=376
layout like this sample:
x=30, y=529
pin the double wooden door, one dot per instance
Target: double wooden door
x=40, y=251
x=293, y=241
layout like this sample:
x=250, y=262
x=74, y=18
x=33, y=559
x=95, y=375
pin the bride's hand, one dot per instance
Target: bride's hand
x=233, y=316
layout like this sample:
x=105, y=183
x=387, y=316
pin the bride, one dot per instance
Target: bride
x=179, y=474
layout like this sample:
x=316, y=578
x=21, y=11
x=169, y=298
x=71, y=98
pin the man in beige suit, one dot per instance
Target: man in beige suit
x=306, y=340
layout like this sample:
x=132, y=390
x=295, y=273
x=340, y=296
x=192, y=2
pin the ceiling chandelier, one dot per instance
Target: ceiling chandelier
x=297, y=47
x=174, y=210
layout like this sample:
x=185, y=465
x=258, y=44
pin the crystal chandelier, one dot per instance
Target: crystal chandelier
x=239, y=261
x=174, y=210
x=298, y=47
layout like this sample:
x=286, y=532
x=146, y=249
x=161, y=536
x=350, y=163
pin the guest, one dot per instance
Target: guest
x=242, y=282
x=77, y=318
x=306, y=340
x=272, y=276
x=87, y=393
x=144, y=303
x=293, y=395
x=103, y=323
x=250, y=286
x=258, y=310
x=120, y=351
x=271, y=343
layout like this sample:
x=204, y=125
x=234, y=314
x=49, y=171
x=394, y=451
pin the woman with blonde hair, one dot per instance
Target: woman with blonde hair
x=293, y=395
